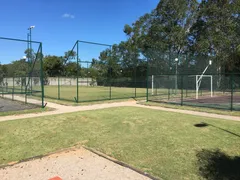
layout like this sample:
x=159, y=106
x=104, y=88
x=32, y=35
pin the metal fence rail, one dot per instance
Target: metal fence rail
x=25, y=82
x=193, y=81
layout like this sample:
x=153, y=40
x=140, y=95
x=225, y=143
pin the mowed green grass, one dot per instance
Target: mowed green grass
x=27, y=111
x=89, y=93
x=163, y=144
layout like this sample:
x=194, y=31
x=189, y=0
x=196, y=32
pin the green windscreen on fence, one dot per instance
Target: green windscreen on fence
x=192, y=80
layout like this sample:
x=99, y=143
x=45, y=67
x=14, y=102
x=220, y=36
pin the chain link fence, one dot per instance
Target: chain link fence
x=21, y=71
x=192, y=80
x=93, y=73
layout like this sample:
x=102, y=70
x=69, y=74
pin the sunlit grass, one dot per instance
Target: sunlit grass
x=164, y=144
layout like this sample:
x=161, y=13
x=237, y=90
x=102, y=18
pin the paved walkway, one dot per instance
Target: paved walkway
x=60, y=109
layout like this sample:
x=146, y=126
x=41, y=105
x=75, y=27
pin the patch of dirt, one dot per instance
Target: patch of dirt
x=74, y=164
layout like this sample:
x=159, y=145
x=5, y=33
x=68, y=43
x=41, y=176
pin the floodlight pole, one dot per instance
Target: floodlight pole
x=30, y=49
x=30, y=40
x=176, y=79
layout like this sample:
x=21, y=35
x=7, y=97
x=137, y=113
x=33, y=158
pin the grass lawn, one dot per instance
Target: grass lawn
x=35, y=110
x=85, y=93
x=92, y=93
x=162, y=143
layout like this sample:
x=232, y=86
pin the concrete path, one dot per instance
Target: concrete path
x=75, y=164
x=196, y=113
x=60, y=109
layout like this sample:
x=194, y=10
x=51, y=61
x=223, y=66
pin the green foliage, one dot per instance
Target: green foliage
x=70, y=69
x=209, y=28
x=53, y=65
x=192, y=31
x=215, y=31
x=127, y=29
x=30, y=55
x=18, y=68
x=70, y=54
x=119, y=66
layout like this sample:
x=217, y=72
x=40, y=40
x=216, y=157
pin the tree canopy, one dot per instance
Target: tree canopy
x=193, y=31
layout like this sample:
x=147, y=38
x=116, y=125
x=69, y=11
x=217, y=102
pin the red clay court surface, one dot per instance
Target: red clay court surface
x=215, y=100
x=204, y=99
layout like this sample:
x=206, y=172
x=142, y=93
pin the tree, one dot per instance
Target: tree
x=71, y=69
x=174, y=18
x=216, y=31
x=53, y=65
x=164, y=30
x=30, y=54
x=2, y=73
x=69, y=55
x=234, y=62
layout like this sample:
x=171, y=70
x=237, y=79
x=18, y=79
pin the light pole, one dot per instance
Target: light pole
x=29, y=50
x=176, y=79
x=30, y=40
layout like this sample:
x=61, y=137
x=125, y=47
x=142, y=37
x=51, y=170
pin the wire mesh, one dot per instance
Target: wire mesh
x=93, y=72
x=192, y=80
x=21, y=74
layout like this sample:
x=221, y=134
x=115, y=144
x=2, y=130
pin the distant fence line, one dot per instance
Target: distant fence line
x=50, y=81
x=63, y=81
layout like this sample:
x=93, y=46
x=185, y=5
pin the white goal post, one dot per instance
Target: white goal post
x=198, y=83
x=199, y=79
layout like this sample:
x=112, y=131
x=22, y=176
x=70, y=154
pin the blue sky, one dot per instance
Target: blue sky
x=59, y=23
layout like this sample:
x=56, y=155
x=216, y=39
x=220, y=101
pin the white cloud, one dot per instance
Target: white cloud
x=66, y=15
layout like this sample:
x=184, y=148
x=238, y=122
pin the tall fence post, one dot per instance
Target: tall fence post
x=2, y=90
x=13, y=89
x=110, y=81
x=168, y=88
x=7, y=85
x=58, y=88
x=147, y=81
x=181, y=90
x=21, y=83
x=26, y=90
x=231, y=81
x=135, y=84
x=42, y=76
x=77, y=70
x=87, y=73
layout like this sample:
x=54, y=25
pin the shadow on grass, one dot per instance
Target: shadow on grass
x=216, y=165
x=200, y=125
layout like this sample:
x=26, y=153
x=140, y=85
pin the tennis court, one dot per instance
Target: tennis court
x=7, y=105
x=219, y=100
